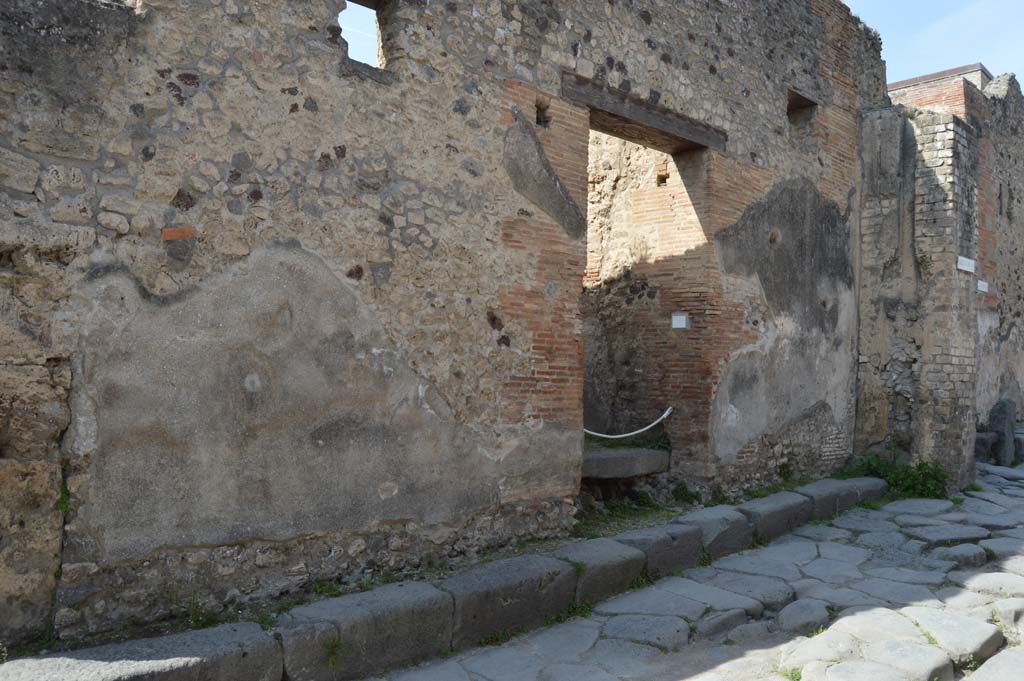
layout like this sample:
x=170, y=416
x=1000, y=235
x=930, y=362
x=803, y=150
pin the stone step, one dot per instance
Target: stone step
x=626, y=462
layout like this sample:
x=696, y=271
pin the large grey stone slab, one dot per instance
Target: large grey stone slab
x=860, y=670
x=623, y=462
x=877, y=624
x=963, y=555
x=773, y=593
x=718, y=622
x=711, y=596
x=973, y=504
x=844, y=552
x=919, y=506
x=663, y=631
x=776, y=514
x=1002, y=419
x=514, y=593
x=724, y=530
x=916, y=661
x=438, y=671
x=367, y=632
x=863, y=520
x=962, y=638
x=947, y=534
x=231, y=652
x=652, y=601
x=901, y=574
x=1011, y=614
x=564, y=642
x=897, y=592
x=667, y=547
x=829, y=497
x=833, y=571
x=994, y=583
x=753, y=564
x=1003, y=471
x=603, y=567
x=822, y=533
x=504, y=663
x=838, y=597
x=869, y=489
x=803, y=615
x=1003, y=547
x=574, y=672
x=1005, y=521
x=829, y=646
x=1003, y=667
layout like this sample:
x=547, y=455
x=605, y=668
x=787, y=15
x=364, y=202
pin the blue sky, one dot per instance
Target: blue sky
x=924, y=36
x=359, y=28
x=918, y=36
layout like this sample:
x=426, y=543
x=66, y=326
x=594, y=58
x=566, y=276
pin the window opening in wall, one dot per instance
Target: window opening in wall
x=799, y=109
x=543, y=113
x=661, y=179
x=361, y=30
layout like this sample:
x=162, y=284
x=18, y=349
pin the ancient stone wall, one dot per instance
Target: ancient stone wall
x=999, y=115
x=269, y=314
x=759, y=251
x=916, y=377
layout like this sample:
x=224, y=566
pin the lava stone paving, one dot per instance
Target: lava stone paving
x=916, y=590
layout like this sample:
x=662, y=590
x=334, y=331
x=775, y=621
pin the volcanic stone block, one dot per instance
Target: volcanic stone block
x=1002, y=420
x=231, y=652
x=603, y=567
x=868, y=489
x=984, y=443
x=724, y=530
x=777, y=514
x=667, y=547
x=515, y=593
x=624, y=462
x=829, y=497
x=375, y=630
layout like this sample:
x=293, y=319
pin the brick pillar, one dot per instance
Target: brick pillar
x=945, y=225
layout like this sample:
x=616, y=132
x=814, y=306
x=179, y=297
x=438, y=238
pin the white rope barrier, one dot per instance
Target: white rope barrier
x=635, y=432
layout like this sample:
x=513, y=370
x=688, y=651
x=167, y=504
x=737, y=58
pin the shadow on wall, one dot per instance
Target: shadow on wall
x=770, y=352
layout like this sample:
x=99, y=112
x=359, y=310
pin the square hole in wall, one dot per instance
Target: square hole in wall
x=543, y=108
x=799, y=109
x=360, y=27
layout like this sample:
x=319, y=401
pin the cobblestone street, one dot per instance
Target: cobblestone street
x=917, y=590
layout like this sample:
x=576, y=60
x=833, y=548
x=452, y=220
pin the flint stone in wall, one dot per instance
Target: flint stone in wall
x=1002, y=420
x=369, y=632
x=232, y=652
x=509, y=594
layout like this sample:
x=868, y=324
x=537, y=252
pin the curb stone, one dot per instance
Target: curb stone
x=358, y=634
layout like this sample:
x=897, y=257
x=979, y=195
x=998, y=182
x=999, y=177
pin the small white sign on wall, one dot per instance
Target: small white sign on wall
x=680, y=320
x=965, y=264
x=983, y=286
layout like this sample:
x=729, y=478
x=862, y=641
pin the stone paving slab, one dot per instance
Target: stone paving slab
x=231, y=652
x=875, y=579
